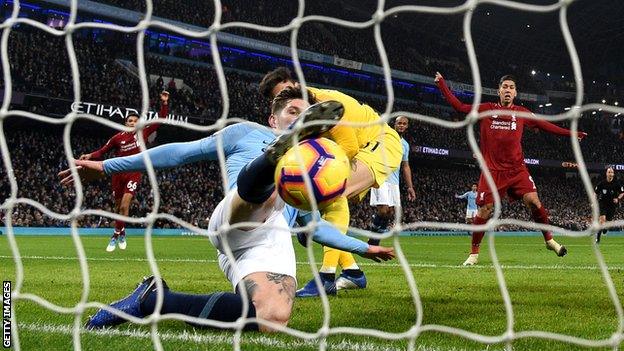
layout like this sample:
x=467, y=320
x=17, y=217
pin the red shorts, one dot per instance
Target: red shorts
x=125, y=183
x=514, y=184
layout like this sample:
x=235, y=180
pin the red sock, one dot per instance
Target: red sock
x=120, y=226
x=540, y=215
x=477, y=237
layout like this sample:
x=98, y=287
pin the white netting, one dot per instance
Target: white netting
x=320, y=335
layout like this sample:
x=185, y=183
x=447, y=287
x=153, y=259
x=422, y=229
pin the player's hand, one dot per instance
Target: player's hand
x=85, y=157
x=411, y=194
x=438, y=77
x=164, y=97
x=581, y=135
x=379, y=253
x=616, y=200
x=87, y=170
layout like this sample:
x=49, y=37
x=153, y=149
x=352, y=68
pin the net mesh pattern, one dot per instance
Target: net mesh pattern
x=466, y=9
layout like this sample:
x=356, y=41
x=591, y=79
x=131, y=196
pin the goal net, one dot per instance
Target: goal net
x=317, y=338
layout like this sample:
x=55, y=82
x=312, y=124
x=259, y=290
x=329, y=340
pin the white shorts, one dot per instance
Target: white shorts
x=266, y=248
x=471, y=213
x=387, y=194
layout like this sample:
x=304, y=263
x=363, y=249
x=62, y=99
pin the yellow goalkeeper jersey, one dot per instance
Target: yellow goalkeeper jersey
x=352, y=139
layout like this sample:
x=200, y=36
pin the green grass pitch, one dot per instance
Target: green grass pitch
x=561, y=295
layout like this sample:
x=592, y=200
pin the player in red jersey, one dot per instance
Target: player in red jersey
x=126, y=184
x=501, y=137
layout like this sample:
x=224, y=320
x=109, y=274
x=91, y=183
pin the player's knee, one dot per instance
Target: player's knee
x=276, y=314
x=532, y=201
x=485, y=211
x=384, y=211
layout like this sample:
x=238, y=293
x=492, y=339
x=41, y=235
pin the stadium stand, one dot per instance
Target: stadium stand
x=40, y=72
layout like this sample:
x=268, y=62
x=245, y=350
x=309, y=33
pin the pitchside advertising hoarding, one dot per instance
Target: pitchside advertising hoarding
x=116, y=113
x=468, y=155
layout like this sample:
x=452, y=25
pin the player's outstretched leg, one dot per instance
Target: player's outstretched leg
x=220, y=306
x=130, y=304
x=326, y=110
x=255, y=181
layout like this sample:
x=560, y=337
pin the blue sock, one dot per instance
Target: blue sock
x=356, y=273
x=380, y=225
x=327, y=277
x=220, y=306
x=256, y=180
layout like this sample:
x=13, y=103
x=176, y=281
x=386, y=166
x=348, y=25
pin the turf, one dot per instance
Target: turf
x=557, y=295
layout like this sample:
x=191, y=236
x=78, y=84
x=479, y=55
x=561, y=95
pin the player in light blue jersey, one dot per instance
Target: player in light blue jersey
x=471, y=206
x=265, y=263
x=388, y=196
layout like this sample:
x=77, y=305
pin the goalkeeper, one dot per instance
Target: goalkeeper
x=375, y=150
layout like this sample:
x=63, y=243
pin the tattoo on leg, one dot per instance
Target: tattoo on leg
x=287, y=284
x=250, y=287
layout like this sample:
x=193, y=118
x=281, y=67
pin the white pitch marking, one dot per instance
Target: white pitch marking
x=222, y=338
x=413, y=265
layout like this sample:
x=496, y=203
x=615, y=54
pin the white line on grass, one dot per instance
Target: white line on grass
x=413, y=265
x=223, y=338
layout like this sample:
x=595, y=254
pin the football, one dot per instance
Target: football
x=325, y=163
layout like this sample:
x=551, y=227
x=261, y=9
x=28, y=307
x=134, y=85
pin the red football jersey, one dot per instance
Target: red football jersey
x=501, y=135
x=126, y=143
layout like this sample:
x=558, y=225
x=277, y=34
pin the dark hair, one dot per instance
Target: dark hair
x=508, y=77
x=271, y=79
x=281, y=100
x=133, y=115
x=395, y=119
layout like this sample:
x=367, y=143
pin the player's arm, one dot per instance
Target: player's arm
x=97, y=154
x=465, y=195
x=164, y=156
x=552, y=128
x=176, y=154
x=407, y=175
x=448, y=95
x=407, y=172
x=328, y=235
x=162, y=114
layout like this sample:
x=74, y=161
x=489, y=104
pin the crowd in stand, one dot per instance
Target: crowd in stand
x=40, y=66
x=191, y=192
x=429, y=53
